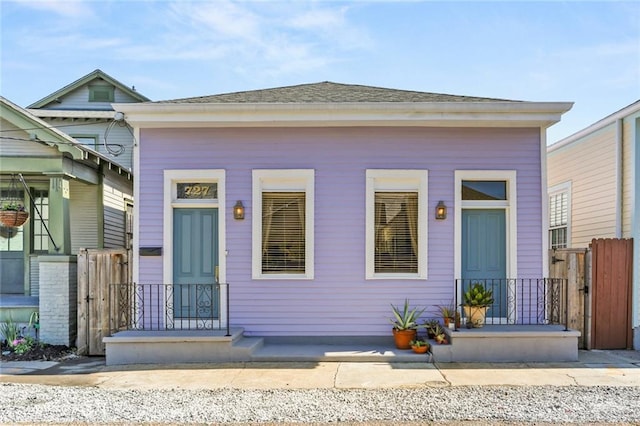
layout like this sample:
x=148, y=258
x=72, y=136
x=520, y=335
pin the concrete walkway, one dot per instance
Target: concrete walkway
x=594, y=368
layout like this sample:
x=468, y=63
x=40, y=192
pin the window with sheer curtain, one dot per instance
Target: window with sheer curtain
x=396, y=224
x=396, y=232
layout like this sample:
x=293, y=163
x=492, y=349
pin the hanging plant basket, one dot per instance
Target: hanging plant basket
x=12, y=209
x=13, y=218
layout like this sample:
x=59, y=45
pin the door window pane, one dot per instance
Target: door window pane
x=484, y=190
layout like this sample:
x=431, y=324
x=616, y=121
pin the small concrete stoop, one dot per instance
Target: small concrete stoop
x=512, y=343
x=179, y=346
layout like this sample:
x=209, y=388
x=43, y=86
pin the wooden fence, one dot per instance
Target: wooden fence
x=599, y=293
x=612, y=294
x=97, y=269
x=573, y=265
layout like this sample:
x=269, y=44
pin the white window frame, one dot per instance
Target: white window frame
x=171, y=201
x=510, y=206
x=557, y=190
x=171, y=178
x=381, y=180
x=283, y=180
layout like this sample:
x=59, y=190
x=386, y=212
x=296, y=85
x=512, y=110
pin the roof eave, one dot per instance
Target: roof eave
x=508, y=114
x=631, y=109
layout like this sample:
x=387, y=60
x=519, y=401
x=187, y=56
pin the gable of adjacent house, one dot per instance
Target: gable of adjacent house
x=83, y=110
x=595, y=168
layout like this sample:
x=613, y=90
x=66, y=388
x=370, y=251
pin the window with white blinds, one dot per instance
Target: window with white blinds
x=282, y=221
x=283, y=232
x=396, y=221
x=558, y=219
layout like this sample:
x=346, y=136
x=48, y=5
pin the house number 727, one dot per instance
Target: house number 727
x=196, y=191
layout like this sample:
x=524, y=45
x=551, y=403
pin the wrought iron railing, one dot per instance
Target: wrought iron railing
x=169, y=307
x=521, y=301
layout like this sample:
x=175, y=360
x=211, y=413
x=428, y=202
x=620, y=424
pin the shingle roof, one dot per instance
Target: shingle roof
x=329, y=92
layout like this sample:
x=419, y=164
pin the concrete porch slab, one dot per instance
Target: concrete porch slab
x=513, y=343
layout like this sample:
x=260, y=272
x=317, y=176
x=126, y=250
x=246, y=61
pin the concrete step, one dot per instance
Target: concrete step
x=336, y=353
x=244, y=347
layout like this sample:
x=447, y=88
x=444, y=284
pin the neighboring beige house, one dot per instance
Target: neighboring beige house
x=593, y=178
x=83, y=110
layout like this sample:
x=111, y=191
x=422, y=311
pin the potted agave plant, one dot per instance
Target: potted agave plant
x=405, y=324
x=476, y=302
x=13, y=214
x=419, y=346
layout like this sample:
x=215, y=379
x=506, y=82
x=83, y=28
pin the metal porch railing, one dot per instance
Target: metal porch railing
x=169, y=307
x=521, y=301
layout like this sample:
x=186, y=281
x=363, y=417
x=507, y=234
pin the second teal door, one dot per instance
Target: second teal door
x=484, y=255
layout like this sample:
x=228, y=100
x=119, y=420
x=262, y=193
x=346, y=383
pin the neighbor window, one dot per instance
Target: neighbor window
x=559, y=218
x=101, y=93
x=396, y=223
x=88, y=140
x=40, y=221
x=283, y=224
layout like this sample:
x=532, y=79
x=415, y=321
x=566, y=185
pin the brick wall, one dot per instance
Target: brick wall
x=58, y=299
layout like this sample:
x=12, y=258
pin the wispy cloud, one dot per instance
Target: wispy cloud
x=269, y=37
x=252, y=35
x=65, y=8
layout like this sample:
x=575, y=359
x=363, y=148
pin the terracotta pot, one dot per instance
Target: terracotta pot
x=12, y=218
x=403, y=338
x=420, y=349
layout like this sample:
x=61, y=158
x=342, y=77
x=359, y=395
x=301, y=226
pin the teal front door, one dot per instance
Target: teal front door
x=484, y=255
x=195, y=262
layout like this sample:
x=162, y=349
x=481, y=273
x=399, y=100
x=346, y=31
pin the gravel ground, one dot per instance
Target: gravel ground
x=33, y=404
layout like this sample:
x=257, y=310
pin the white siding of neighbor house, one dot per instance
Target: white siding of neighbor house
x=79, y=100
x=628, y=187
x=20, y=145
x=590, y=166
x=115, y=194
x=118, y=135
x=83, y=212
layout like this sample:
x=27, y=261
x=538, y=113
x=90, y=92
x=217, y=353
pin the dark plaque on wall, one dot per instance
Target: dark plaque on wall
x=150, y=251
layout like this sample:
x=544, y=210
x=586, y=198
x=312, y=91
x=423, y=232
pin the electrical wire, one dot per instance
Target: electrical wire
x=107, y=145
x=39, y=140
x=95, y=121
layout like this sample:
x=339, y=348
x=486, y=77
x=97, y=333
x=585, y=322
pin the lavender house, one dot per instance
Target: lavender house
x=315, y=206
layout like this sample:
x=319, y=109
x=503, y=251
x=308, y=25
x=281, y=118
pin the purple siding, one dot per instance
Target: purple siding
x=339, y=301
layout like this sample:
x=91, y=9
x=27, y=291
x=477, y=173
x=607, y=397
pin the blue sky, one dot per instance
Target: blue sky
x=585, y=52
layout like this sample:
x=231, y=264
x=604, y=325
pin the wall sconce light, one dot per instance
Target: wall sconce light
x=441, y=211
x=238, y=211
